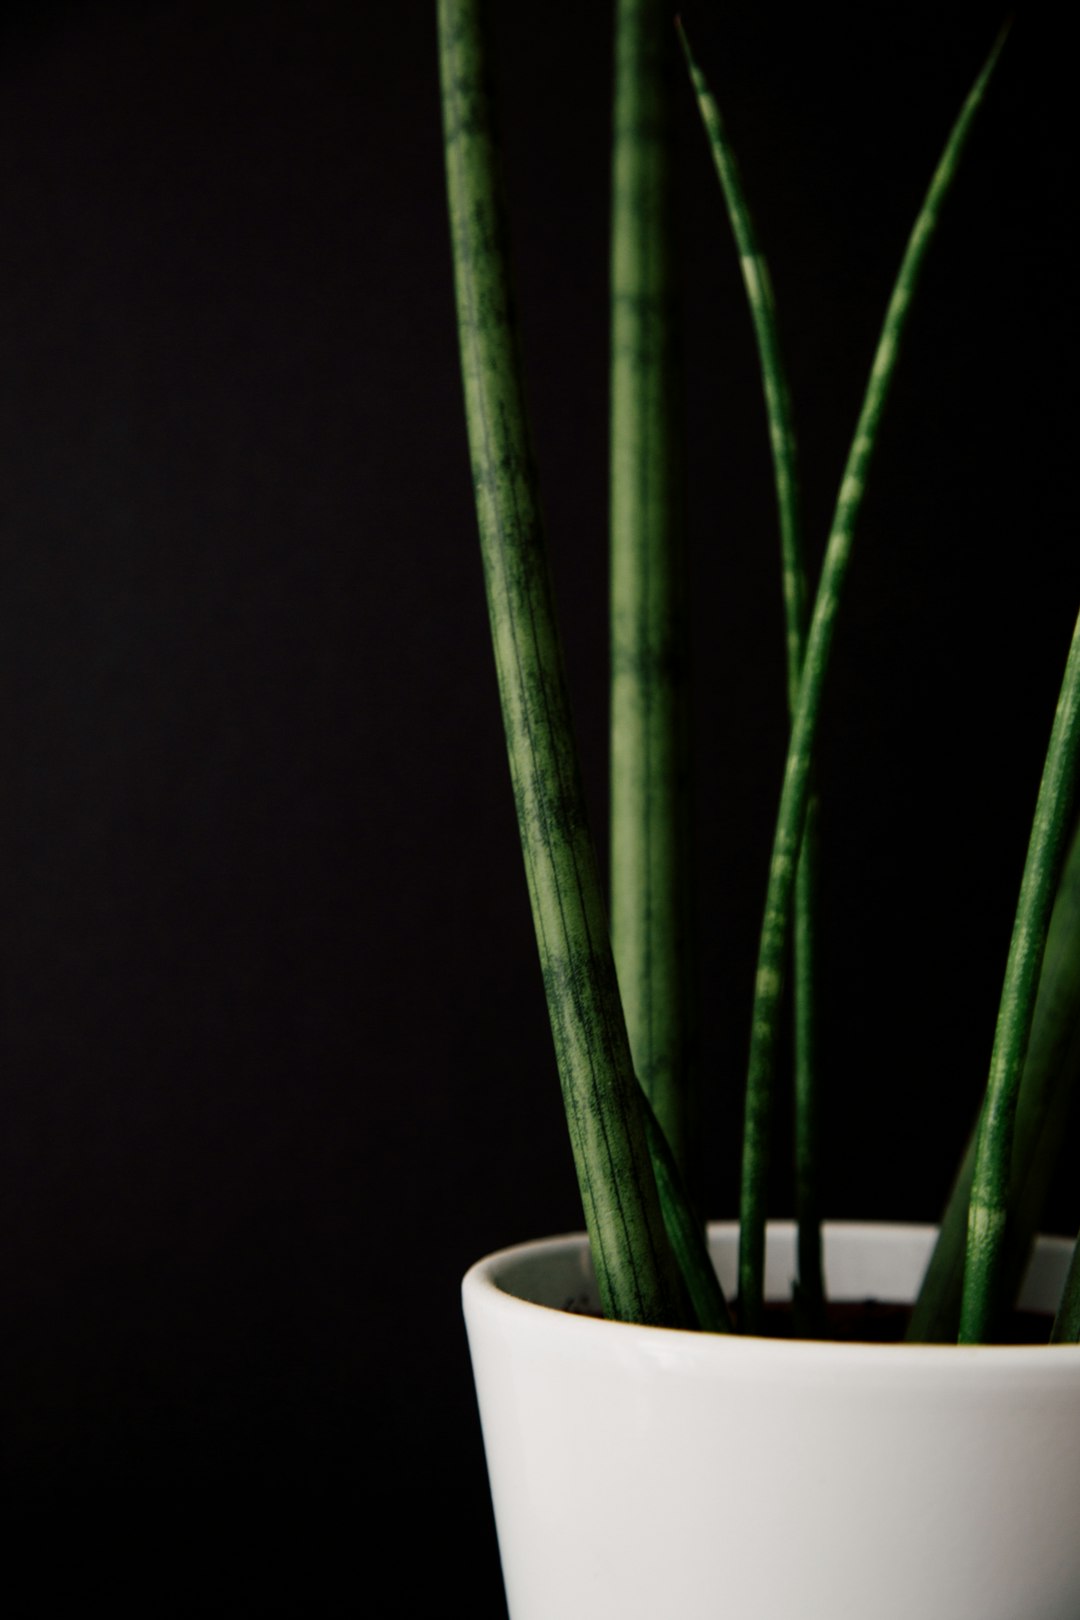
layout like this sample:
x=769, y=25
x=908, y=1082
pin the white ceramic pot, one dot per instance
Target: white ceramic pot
x=646, y=1474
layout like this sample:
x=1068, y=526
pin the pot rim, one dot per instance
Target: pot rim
x=484, y=1289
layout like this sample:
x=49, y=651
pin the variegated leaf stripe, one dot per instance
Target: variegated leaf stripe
x=650, y=803
x=790, y=816
x=759, y=294
x=636, y=1271
x=993, y=1153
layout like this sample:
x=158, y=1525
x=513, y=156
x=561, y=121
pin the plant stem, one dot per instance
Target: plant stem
x=650, y=833
x=759, y=294
x=993, y=1154
x=793, y=801
x=636, y=1272
x=1051, y=1074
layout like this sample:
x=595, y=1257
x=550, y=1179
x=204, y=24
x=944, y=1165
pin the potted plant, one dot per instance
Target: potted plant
x=680, y=1455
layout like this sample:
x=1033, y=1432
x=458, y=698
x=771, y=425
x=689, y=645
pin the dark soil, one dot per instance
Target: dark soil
x=866, y=1321
x=874, y=1321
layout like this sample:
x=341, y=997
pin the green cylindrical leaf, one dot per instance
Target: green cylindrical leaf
x=759, y=294
x=650, y=804
x=1051, y=1074
x=686, y=1233
x=636, y=1272
x=993, y=1154
x=768, y=987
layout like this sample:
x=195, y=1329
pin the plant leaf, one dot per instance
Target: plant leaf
x=769, y=979
x=988, y=1209
x=636, y=1271
x=686, y=1233
x=651, y=908
x=759, y=295
x=1051, y=1074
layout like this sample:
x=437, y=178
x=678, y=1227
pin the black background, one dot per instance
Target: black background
x=275, y=1065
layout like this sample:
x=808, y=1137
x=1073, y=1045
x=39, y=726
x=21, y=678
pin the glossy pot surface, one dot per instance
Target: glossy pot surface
x=642, y=1472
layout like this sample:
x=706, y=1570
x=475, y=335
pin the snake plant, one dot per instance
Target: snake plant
x=620, y=994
